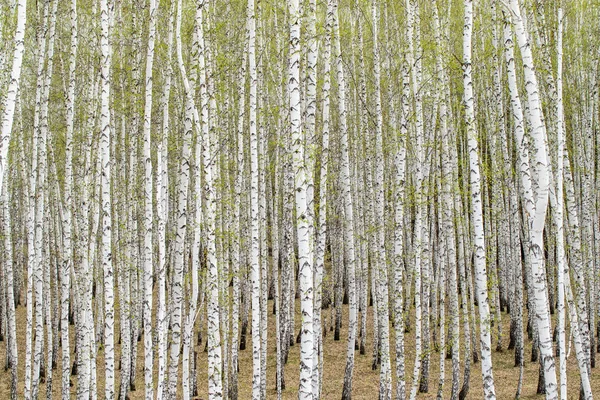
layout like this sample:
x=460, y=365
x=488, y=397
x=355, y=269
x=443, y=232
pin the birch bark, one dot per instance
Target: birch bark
x=148, y=210
x=10, y=101
x=162, y=184
x=537, y=218
x=301, y=184
x=105, y=151
x=477, y=211
x=65, y=276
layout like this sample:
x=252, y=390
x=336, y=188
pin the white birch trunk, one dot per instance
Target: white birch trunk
x=68, y=209
x=537, y=219
x=303, y=222
x=415, y=63
x=254, y=206
x=105, y=151
x=40, y=207
x=162, y=199
x=477, y=211
x=236, y=235
x=30, y=385
x=385, y=377
x=148, y=211
x=182, y=194
x=322, y=226
x=558, y=212
x=448, y=240
x=399, y=217
x=215, y=385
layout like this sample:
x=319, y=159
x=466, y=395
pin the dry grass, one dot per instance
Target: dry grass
x=365, y=383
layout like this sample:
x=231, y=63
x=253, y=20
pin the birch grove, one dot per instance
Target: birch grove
x=299, y=199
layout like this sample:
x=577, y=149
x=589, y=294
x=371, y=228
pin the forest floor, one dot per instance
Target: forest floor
x=365, y=381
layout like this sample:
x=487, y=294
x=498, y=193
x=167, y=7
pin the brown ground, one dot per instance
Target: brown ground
x=366, y=381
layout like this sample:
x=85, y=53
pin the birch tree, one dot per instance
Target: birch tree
x=301, y=184
x=477, y=212
x=148, y=211
x=105, y=151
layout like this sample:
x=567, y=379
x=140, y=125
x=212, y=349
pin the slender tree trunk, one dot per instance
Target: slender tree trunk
x=162, y=200
x=414, y=58
x=305, y=258
x=477, y=212
x=323, y=198
x=148, y=211
x=182, y=206
x=254, y=206
x=537, y=219
x=65, y=276
x=105, y=141
x=558, y=212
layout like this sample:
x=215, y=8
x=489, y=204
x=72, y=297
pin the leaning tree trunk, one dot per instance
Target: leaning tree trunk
x=537, y=218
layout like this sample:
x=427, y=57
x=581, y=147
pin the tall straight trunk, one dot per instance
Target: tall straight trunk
x=136, y=228
x=92, y=260
x=10, y=101
x=310, y=156
x=105, y=151
x=40, y=208
x=385, y=378
x=31, y=214
x=496, y=216
x=65, y=276
x=236, y=251
x=254, y=206
x=558, y=212
x=477, y=211
x=323, y=198
x=148, y=211
x=399, y=218
x=301, y=184
x=182, y=206
x=162, y=200
x=199, y=90
x=215, y=384
x=399, y=228
x=333, y=22
x=361, y=92
x=262, y=202
x=414, y=60
x=447, y=217
x=83, y=283
x=276, y=258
